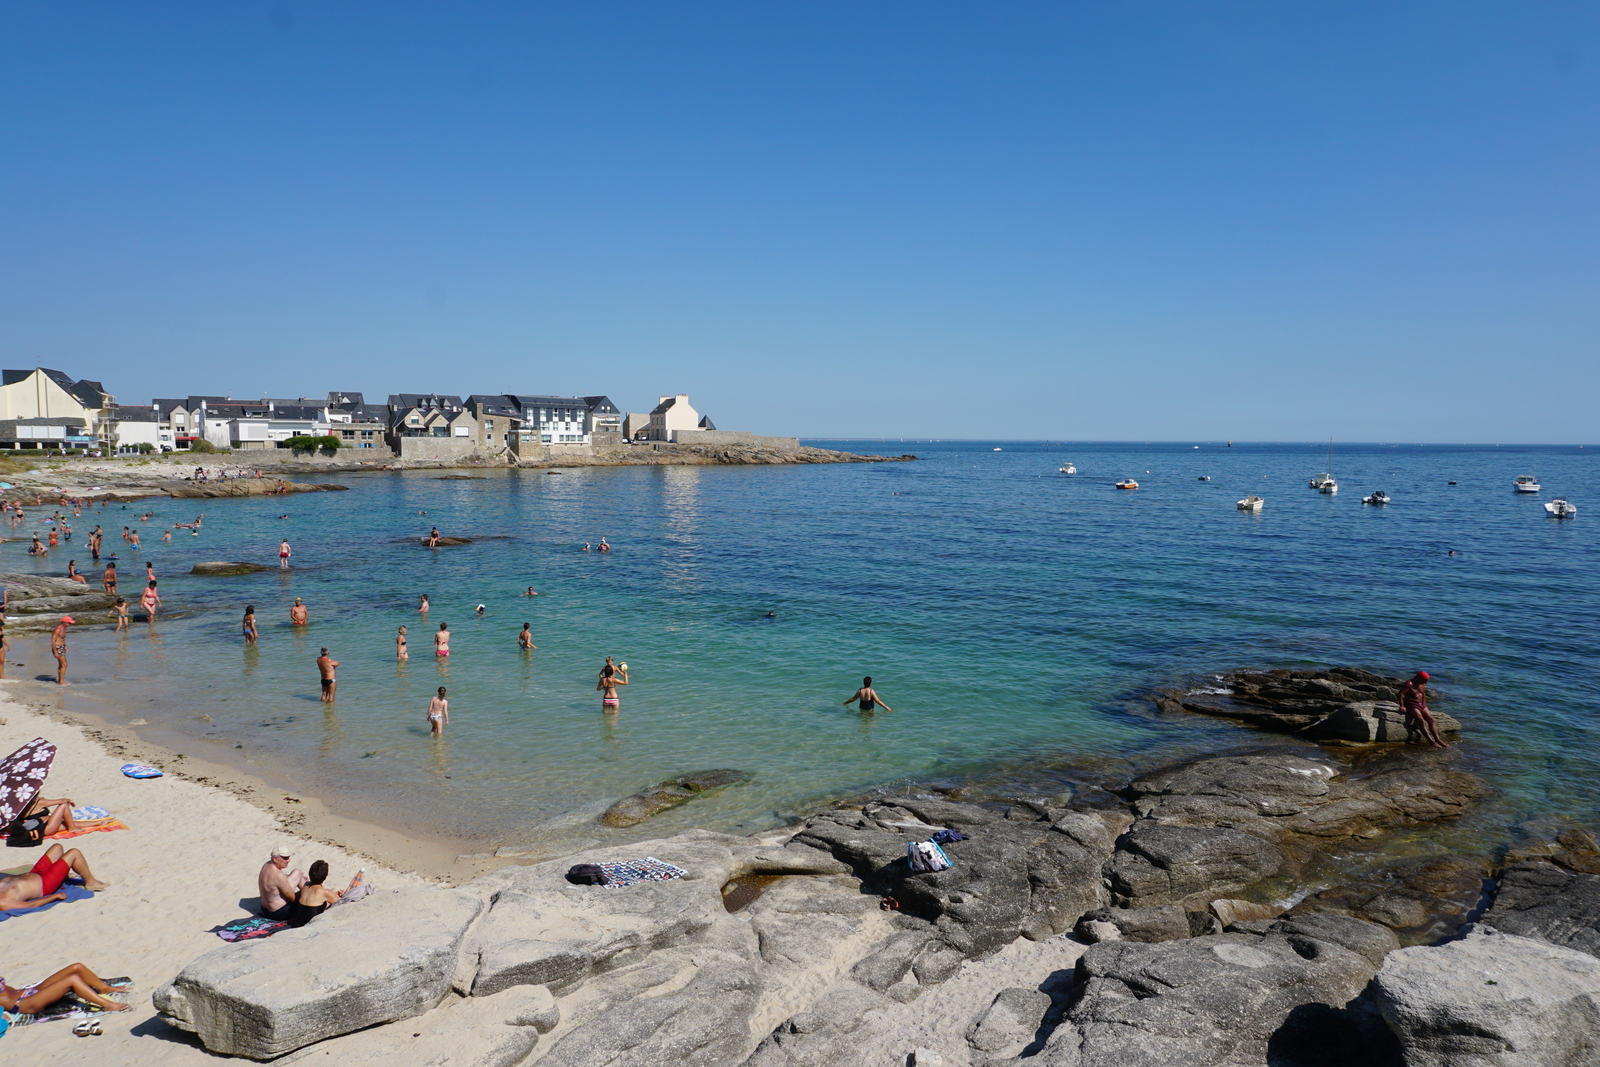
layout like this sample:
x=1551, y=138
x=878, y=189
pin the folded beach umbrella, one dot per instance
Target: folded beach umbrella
x=22, y=775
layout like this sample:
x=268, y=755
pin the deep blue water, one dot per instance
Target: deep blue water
x=1005, y=612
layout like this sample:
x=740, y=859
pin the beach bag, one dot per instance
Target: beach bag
x=925, y=856
x=25, y=834
x=586, y=874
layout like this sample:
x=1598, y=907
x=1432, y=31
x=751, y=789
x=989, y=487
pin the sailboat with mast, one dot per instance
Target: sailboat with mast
x=1324, y=483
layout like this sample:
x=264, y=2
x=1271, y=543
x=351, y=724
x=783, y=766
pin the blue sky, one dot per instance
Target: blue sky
x=1021, y=220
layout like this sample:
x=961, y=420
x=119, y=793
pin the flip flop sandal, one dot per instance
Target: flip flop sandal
x=87, y=1028
x=889, y=904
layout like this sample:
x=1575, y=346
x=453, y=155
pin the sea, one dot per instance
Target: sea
x=1013, y=617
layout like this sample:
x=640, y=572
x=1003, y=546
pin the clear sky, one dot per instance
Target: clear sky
x=1167, y=221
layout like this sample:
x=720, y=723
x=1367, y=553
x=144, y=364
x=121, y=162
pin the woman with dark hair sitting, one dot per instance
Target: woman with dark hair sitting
x=314, y=897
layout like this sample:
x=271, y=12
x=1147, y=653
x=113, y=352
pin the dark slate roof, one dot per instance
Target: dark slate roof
x=662, y=408
x=602, y=405
x=139, y=414
x=346, y=401
x=89, y=394
x=193, y=403
x=706, y=423
x=495, y=404
x=296, y=411
x=448, y=401
x=526, y=401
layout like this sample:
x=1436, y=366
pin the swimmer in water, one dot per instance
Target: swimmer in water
x=441, y=641
x=298, y=615
x=531, y=592
x=249, y=624
x=400, y=645
x=868, y=697
x=481, y=610
x=609, y=680
x=438, y=713
x=422, y=608
x=525, y=638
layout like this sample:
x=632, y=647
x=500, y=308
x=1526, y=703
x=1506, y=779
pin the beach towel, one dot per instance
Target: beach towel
x=140, y=770
x=65, y=1008
x=89, y=814
x=631, y=872
x=106, y=825
x=74, y=892
x=249, y=929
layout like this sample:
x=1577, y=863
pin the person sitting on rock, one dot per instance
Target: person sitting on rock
x=1413, y=699
x=76, y=979
x=315, y=898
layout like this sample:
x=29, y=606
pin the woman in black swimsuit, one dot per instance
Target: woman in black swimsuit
x=313, y=898
x=868, y=697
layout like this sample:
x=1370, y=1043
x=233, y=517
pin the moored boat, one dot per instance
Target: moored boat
x=1378, y=498
x=1561, y=508
x=1250, y=503
x=1068, y=468
x=1127, y=483
x=1526, y=483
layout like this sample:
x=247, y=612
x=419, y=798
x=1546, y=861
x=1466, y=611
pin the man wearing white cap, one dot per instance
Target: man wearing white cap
x=278, y=889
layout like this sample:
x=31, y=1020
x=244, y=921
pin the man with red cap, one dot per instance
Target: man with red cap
x=1414, y=702
x=58, y=646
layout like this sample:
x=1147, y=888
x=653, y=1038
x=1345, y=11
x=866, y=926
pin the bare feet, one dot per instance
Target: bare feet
x=94, y=885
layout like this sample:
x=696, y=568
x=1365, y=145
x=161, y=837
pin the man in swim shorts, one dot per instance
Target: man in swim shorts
x=283, y=553
x=58, y=647
x=42, y=884
x=1413, y=698
x=868, y=697
x=326, y=664
x=298, y=615
x=278, y=885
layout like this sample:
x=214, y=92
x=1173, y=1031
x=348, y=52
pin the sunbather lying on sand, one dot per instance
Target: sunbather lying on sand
x=76, y=979
x=40, y=886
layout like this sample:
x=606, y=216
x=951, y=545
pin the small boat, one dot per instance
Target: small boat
x=997, y=450
x=1560, y=508
x=1127, y=483
x=1067, y=468
x=1324, y=483
x=1527, y=483
x=1250, y=503
x=1378, y=498
x=1205, y=477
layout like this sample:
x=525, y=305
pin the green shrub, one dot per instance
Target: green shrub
x=327, y=444
x=200, y=444
x=145, y=448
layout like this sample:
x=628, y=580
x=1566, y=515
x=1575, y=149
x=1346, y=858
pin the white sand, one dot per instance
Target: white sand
x=188, y=863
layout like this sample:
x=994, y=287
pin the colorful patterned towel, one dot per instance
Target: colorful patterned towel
x=632, y=872
x=90, y=813
x=73, y=890
x=249, y=929
x=108, y=825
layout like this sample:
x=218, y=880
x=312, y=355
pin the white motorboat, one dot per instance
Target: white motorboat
x=1250, y=503
x=1560, y=508
x=1205, y=477
x=1377, y=499
x=1067, y=468
x=997, y=450
x=1127, y=483
x=1527, y=483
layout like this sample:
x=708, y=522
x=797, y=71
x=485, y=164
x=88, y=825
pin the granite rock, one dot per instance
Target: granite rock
x=497, y=1031
x=1010, y=1022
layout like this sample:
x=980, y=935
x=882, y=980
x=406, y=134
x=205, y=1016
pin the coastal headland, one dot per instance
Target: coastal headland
x=1272, y=901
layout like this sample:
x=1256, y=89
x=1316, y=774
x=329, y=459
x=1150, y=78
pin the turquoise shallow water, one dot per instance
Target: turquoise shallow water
x=1005, y=611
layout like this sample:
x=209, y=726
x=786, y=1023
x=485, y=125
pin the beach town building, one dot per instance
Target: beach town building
x=356, y=423
x=140, y=426
x=672, y=416
x=46, y=399
x=605, y=422
x=554, y=420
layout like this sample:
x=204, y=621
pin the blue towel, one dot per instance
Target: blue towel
x=73, y=892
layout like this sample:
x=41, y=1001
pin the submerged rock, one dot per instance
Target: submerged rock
x=631, y=811
x=1341, y=704
x=226, y=568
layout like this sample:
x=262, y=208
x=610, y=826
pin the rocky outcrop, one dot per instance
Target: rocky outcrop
x=228, y=568
x=496, y=1031
x=248, y=487
x=37, y=602
x=445, y=542
x=1342, y=704
x=1423, y=900
x=1371, y=720
x=265, y=998
x=1552, y=892
x=631, y=811
x=1278, y=994
x=1492, y=999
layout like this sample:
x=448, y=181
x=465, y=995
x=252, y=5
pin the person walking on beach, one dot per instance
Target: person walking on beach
x=1413, y=699
x=400, y=645
x=867, y=697
x=58, y=647
x=325, y=665
x=610, y=678
x=298, y=615
x=441, y=641
x=525, y=638
x=249, y=624
x=438, y=713
x=150, y=600
x=284, y=553
x=120, y=610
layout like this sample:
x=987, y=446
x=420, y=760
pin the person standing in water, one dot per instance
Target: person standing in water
x=400, y=645
x=422, y=608
x=120, y=609
x=108, y=580
x=284, y=553
x=1413, y=700
x=325, y=666
x=441, y=641
x=298, y=615
x=525, y=638
x=609, y=680
x=58, y=647
x=438, y=713
x=150, y=600
x=249, y=624
x=867, y=697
